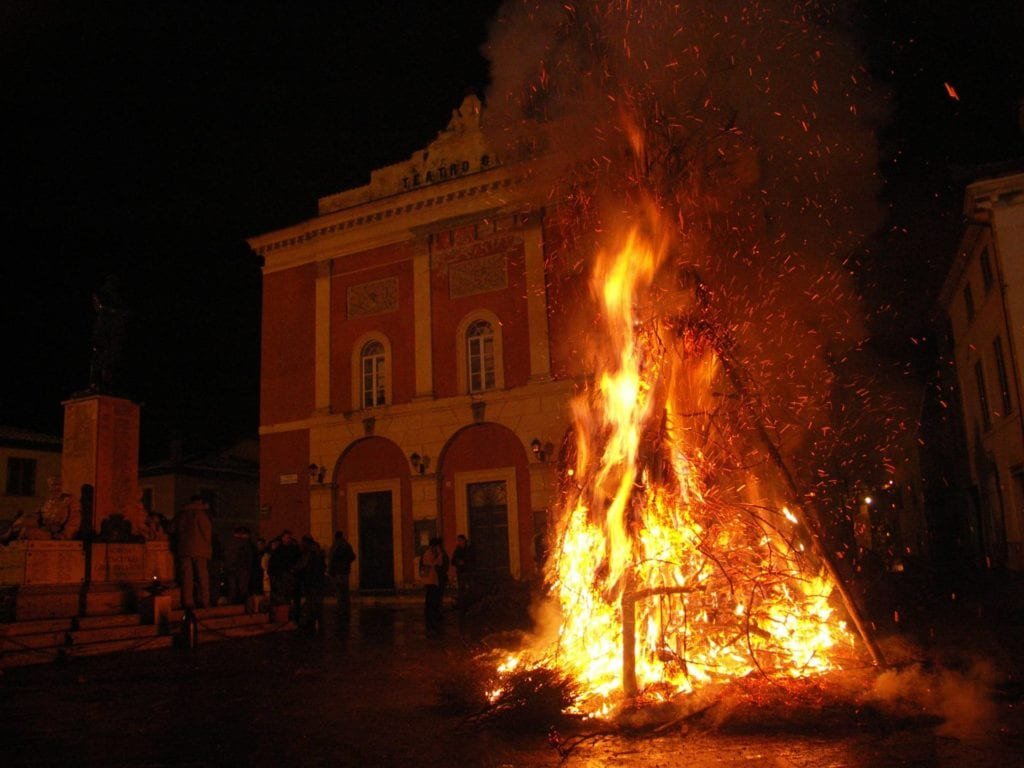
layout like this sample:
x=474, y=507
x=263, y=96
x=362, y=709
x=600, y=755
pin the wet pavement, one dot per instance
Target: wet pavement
x=368, y=695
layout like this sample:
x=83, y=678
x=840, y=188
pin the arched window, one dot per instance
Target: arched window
x=373, y=374
x=480, y=366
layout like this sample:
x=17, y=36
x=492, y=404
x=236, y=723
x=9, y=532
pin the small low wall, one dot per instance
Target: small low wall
x=131, y=562
x=42, y=562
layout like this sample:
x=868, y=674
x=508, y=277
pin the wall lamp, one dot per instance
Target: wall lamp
x=541, y=450
x=419, y=463
x=317, y=473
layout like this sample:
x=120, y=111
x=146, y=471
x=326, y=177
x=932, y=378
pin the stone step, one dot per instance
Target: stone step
x=117, y=632
x=35, y=627
x=25, y=658
x=255, y=630
x=46, y=640
x=38, y=626
x=217, y=610
x=242, y=620
x=14, y=643
x=240, y=631
x=119, y=646
x=109, y=620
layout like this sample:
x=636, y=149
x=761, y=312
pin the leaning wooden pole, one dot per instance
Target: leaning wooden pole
x=731, y=370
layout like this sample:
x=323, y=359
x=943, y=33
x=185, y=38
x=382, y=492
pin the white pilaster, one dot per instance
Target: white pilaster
x=421, y=321
x=322, y=342
x=537, y=302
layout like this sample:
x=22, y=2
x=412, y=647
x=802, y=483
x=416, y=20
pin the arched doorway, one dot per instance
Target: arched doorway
x=486, y=495
x=373, y=505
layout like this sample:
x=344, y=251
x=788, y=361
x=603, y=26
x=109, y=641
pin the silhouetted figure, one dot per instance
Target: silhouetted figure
x=464, y=562
x=310, y=582
x=240, y=559
x=340, y=569
x=284, y=554
x=194, y=540
x=257, y=588
x=108, y=332
x=434, y=573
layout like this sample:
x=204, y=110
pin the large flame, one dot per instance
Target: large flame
x=666, y=580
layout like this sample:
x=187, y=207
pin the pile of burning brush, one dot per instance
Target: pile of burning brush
x=911, y=694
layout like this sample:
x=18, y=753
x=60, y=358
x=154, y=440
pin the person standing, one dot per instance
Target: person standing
x=310, y=577
x=240, y=561
x=257, y=577
x=283, y=558
x=194, y=535
x=434, y=572
x=464, y=562
x=340, y=569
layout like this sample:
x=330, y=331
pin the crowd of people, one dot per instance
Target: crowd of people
x=297, y=573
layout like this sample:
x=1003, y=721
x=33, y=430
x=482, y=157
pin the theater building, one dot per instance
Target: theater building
x=409, y=383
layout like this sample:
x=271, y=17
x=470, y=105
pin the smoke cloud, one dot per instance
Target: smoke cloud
x=744, y=132
x=962, y=700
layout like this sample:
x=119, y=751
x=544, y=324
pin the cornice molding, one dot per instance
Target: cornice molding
x=390, y=220
x=551, y=387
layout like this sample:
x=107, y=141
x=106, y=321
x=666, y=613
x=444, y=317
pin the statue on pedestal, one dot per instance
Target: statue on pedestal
x=108, y=332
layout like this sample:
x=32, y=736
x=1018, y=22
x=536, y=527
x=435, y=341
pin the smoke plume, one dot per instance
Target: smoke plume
x=744, y=132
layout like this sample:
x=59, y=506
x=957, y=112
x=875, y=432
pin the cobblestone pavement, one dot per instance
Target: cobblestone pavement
x=368, y=696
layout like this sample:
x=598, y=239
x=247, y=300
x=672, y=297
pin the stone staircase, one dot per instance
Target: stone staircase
x=49, y=640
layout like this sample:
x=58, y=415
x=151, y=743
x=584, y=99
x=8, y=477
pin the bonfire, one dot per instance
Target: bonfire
x=664, y=582
x=704, y=194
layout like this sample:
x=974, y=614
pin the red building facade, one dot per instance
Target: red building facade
x=409, y=383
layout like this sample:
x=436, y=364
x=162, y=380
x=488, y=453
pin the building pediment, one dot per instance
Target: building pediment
x=459, y=150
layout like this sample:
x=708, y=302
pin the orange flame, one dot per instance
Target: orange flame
x=663, y=581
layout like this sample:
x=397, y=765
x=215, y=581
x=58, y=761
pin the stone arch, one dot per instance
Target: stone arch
x=482, y=454
x=374, y=470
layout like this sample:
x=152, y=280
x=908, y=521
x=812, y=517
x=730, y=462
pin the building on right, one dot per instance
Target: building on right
x=983, y=297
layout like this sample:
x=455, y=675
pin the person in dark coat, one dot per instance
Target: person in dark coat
x=194, y=547
x=434, y=574
x=339, y=568
x=239, y=563
x=464, y=563
x=310, y=581
x=256, y=590
x=283, y=557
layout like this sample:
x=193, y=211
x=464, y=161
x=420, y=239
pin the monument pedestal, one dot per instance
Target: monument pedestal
x=48, y=578
x=100, y=462
x=111, y=570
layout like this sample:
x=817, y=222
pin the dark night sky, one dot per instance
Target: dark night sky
x=146, y=140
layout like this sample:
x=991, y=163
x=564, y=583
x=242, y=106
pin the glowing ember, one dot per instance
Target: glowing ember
x=663, y=582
